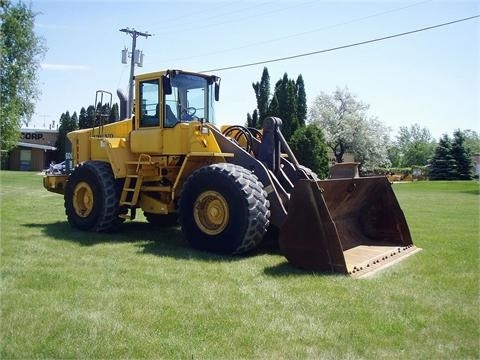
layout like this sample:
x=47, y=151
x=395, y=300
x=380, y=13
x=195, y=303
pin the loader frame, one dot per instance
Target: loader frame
x=224, y=187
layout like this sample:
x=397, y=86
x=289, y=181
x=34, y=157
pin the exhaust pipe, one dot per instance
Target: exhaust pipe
x=123, y=104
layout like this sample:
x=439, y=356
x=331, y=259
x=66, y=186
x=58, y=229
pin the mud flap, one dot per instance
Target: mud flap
x=351, y=226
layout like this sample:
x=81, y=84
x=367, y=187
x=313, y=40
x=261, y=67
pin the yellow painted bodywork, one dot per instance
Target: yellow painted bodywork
x=165, y=157
x=55, y=183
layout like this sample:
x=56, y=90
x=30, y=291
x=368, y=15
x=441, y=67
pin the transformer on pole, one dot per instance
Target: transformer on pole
x=136, y=58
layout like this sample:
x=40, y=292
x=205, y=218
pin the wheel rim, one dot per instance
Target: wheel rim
x=211, y=212
x=83, y=199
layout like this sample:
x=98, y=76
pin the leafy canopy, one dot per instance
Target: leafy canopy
x=308, y=144
x=414, y=146
x=21, y=51
x=348, y=128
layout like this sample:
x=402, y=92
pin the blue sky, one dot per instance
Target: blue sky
x=431, y=78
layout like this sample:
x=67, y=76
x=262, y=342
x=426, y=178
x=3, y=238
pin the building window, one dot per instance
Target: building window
x=25, y=159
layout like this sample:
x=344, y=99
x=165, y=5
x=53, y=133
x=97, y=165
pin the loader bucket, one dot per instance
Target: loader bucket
x=353, y=226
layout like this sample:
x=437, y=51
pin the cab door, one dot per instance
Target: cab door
x=147, y=136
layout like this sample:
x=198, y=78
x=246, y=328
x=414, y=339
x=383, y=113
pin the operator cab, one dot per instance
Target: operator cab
x=175, y=96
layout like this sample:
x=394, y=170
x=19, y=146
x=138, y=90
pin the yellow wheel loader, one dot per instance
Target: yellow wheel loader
x=224, y=187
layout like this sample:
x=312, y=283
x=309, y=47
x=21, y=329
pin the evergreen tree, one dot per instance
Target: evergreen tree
x=252, y=121
x=291, y=110
x=83, y=119
x=443, y=165
x=274, y=106
x=462, y=156
x=309, y=146
x=288, y=102
x=286, y=99
x=67, y=123
x=301, y=101
x=114, y=114
x=102, y=114
x=262, y=94
x=74, y=120
x=90, y=116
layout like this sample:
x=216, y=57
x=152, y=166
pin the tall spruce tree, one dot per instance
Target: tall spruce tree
x=301, y=101
x=462, y=156
x=443, y=166
x=252, y=120
x=285, y=105
x=288, y=102
x=83, y=119
x=114, y=113
x=262, y=93
x=90, y=116
x=67, y=123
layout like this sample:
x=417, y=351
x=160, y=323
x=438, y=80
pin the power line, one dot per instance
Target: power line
x=193, y=26
x=166, y=23
x=341, y=47
x=303, y=33
x=206, y=25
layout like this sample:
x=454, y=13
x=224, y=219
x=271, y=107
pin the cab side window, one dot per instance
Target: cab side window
x=171, y=108
x=149, y=106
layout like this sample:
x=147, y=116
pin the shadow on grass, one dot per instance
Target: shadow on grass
x=166, y=242
x=148, y=238
x=284, y=269
x=472, y=192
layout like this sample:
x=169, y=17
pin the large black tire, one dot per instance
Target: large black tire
x=92, y=198
x=223, y=209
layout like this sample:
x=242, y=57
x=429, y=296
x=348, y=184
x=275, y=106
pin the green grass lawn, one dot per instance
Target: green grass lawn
x=143, y=293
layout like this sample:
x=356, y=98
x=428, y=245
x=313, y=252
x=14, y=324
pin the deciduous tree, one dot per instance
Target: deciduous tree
x=20, y=51
x=472, y=141
x=415, y=146
x=348, y=128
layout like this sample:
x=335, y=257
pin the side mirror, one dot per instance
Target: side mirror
x=167, y=86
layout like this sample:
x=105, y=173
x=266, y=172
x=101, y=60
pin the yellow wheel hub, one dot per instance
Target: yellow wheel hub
x=211, y=212
x=83, y=199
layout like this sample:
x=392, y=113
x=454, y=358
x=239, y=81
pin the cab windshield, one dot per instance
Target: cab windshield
x=191, y=98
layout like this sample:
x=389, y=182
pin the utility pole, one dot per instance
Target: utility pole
x=134, y=33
